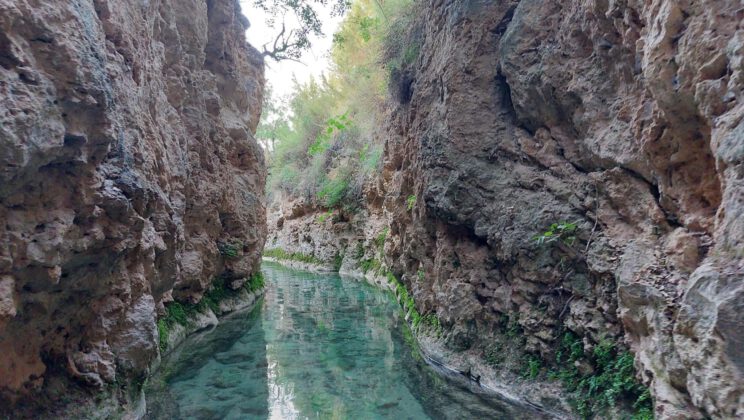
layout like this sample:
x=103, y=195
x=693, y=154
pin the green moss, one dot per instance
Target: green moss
x=406, y=300
x=179, y=313
x=359, y=251
x=162, y=335
x=256, y=282
x=281, y=254
x=373, y=265
x=512, y=328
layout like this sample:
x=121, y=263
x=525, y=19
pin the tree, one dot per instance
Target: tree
x=289, y=44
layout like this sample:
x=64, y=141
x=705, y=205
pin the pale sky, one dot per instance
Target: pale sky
x=315, y=61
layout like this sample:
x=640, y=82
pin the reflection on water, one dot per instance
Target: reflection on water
x=318, y=347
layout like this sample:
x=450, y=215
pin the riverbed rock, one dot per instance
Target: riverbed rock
x=128, y=163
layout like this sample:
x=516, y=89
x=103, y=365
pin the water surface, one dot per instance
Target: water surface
x=316, y=347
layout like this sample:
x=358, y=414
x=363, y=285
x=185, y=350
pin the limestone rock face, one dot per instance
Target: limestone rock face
x=129, y=176
x=623, y=117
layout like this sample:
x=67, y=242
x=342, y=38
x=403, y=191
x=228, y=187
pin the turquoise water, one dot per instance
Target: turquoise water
x=316, y=347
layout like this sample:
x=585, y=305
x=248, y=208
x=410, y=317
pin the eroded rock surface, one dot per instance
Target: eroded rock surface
x=624, y=117
x=129, y=177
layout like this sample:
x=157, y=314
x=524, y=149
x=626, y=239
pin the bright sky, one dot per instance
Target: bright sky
x=315, y=62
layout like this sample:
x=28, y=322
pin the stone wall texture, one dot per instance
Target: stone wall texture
x=127, y=167
x=625, y=117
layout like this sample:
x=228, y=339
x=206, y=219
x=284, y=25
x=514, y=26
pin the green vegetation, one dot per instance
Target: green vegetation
x=406, y=300
x=338, y=260
x=563, y=231
x=429, y=321
x=322, y=144
x=410, y=202
x=612, y=378
x=420, y=275
x=372, y=264
x=281, y=254
x=510, y=325
x=494, y=355
x=433, y=323
x=179, y=313
x=381, y=238
x=324, y=216
x=532, y=367
x=229, y=249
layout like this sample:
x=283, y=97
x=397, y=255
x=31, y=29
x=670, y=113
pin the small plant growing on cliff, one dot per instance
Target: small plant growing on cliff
x=562, y=231
x=494, y=354
x=229, y=249
x=372, y=264
x=532, y=367
x=433, y=323
x=338, y=261
x=406, y=300
x=410, y=202
x=324, y=216
x=380, y=239
x=420, y=275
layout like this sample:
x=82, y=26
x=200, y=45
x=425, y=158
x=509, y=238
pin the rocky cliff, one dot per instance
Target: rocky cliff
x=129, y=178
x=622, y=123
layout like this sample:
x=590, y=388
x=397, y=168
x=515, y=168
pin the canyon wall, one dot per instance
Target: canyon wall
x=624, y=119
x=129, y=177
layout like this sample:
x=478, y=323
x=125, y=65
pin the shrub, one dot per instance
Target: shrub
x=563, y=231
x=613, y=378
x=332, y=191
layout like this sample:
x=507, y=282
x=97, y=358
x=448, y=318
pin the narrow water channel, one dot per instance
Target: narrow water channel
x=316, y=347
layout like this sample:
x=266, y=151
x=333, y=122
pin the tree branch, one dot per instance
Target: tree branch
x=282, y=44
